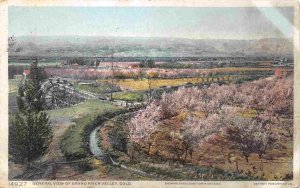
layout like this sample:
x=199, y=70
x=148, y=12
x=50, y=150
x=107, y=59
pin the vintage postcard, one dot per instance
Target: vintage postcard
x=150, y=94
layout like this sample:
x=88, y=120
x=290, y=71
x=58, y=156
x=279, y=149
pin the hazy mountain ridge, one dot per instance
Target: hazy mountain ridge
x=68, y=46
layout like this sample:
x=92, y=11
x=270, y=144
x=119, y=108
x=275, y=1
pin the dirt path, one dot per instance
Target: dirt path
x=59, y=126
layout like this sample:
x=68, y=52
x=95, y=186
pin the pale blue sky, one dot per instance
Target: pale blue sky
x=197, y=23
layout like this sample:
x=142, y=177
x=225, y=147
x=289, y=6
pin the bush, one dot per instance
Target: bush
x=84, y=166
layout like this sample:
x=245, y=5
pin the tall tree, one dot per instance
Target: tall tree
x=30, y=94
x=150, y=77
x=30, y=133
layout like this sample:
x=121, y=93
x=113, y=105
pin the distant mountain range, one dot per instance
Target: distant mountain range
x=80, y=46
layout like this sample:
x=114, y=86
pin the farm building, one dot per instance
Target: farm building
x=133, y=66
x=280, y=72
x=26, y=73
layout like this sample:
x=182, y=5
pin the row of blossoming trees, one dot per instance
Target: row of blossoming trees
x=242, y=116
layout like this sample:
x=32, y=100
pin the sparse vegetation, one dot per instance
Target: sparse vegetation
x=94, y=88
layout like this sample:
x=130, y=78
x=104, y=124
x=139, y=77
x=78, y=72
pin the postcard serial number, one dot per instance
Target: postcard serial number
x=17, y=183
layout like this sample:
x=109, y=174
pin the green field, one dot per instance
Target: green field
x=139, y=85
x=90, y=108
x=134, y=96
x=71, y=141
x=13, y=85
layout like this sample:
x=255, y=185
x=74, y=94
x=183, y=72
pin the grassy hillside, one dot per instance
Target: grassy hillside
x=82, y=115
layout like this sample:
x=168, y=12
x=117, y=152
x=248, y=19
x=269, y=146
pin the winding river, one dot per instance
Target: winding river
x=94, y=147
x=97, y=151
